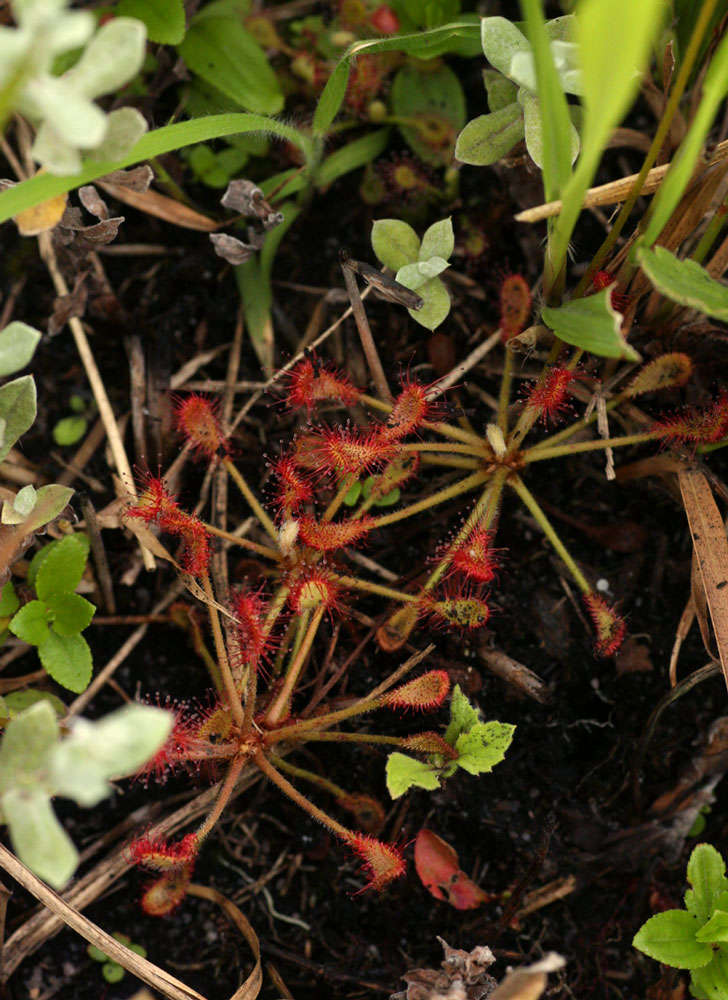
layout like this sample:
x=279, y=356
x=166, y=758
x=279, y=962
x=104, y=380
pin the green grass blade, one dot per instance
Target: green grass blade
x=162, y=140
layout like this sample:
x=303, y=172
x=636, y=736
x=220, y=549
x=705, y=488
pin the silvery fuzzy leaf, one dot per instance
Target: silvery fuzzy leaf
x=113, y=56
x=74, y=118
x=502, y=41
x=37, y=837
x=124, y=128
x=54, y=153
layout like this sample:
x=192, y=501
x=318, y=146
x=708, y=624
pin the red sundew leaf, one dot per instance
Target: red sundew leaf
x=382, y=863
x=550, y=395
x=475, y=557
x=293, y=487
x=439, y=870
x=610, y=628
x=313, y=588
x=161, y=856
x=312, y=382
x=328, y=535
x=342, y=450
x=694, y=426
x=423, y=693
x=167, y=892
x=198, y=421
x=515, y=305
x=411, y=408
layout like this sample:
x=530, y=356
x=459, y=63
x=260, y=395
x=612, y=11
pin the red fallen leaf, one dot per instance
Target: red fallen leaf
x=439, y=871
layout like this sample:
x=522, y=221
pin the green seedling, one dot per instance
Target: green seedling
x=69, y=430
x=54, y=621
x=111, y=970
x=695, y=938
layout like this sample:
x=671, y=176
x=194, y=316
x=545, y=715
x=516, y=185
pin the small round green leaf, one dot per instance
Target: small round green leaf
x=18, y=342
x=489, y=138
x=69, y=613
x=435, y=304
x=404, y=772
x=395, y=243
x=112, y=972
x=438, y=242
x=30, y=624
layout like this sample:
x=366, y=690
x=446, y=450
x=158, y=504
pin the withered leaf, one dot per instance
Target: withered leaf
x=136, y=179
x=232, y=250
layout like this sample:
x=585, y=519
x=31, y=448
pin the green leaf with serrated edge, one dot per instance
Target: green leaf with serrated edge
x=30, y=624
x=488, y=138
x=115, y=746
x=395, y=243
x=435, y=304
x=164, y=19
x=434, y=102
x=223, y=53
x=49, y=503
x=592, y=324
x=500, y=90
x=26, y=746
x=669, y=937
x=712, y=94
x=17, y=409
x=9, y=602
x=711, y=981
x=533, y=126
x=716, y=928
x=37, y=837
x=423, y=44
x=69, y=430
x=61, y=571
x=706, y=874
x=463, y=716
x=70, y=613
x=684, y=281
x=67, y=659
x=18, y=701
x=438, y=241
x=501, y=41
x=18, y=342
x=414, y=276
x=405, y=772
x=483, y=746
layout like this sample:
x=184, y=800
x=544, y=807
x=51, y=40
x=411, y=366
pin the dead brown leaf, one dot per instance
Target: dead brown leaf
x=711, y=547
x=160, y=206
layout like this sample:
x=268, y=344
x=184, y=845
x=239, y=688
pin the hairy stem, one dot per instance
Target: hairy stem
x=462, y=486
x=253, y=501
x=289, y=790
x=542, y=454
x=281, y=705
x=231, y=691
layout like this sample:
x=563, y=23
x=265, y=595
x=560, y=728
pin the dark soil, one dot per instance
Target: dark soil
x=562, y=803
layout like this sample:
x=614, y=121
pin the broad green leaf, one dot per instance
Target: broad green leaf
x=37, y=837
x=706, y=874
x=423, y=44
x=405, y=772
x=533, y=126
x=223, y=53
x=395, y=243
x=592, y=324
x=483, y=746
x=113, y=972
x=684, y=281
x=716, y=928
x=26, y=745
x=435, y=304
x=501, y=91
x=713, y=92
x=50, y=501
x=352, y=156
x=555, y=120
x=18, y=701
x=462, y=716
x=9, y=602
x=438, y=241
x=433, y=100
x=414, y=276
x=164, y=19
x=17, y=410
x=69, y=430
x=30, y=624
x=488, y=138
x=115, y=746
x=501, y=41
x=669, y=937
x=67, y=659
x=18, y=342
x=61, y=571
x=70, y=613
x=43, y=187
x=113, y=56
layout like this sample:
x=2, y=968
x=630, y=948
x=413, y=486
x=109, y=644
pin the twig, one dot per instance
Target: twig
x=365, y=333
